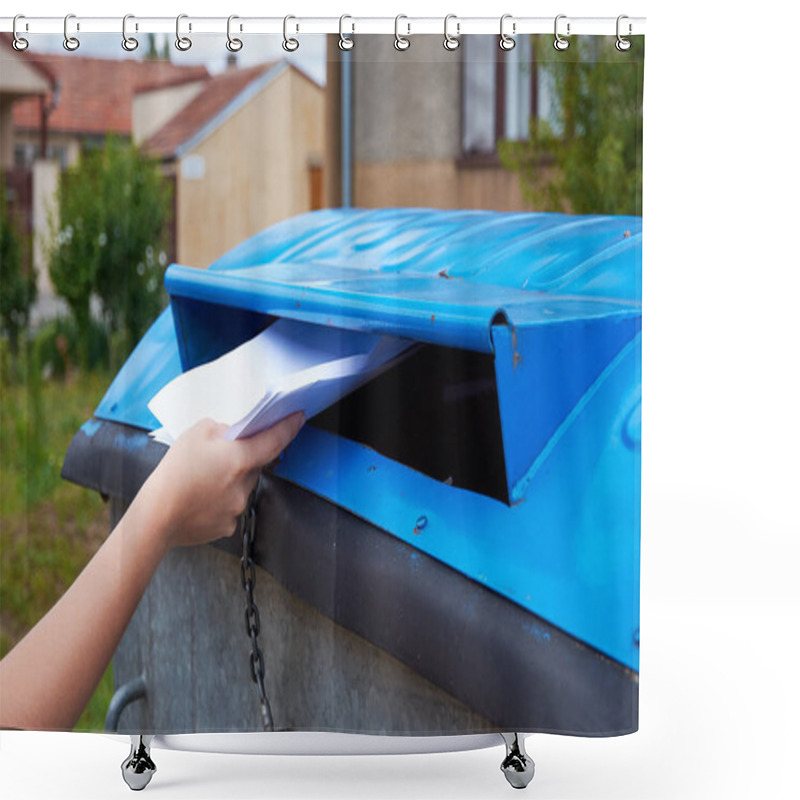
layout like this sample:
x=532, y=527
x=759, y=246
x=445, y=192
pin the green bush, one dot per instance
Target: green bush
x=23, y=432
x=17, y=284
x=113, y=208
x=59, y=342
x=595, y=138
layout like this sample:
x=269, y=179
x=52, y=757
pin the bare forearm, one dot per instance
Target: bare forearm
x=47, y=679
x=193, y=497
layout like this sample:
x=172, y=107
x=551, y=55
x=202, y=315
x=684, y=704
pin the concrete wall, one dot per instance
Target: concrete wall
x=406, y=105
x=152, y=109
x=407, y=132
x=252, y=172
x=45, y=205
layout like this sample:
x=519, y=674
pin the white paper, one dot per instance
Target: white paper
x=291, y=366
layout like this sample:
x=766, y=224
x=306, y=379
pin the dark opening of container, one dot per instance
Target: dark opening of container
x=436, y=412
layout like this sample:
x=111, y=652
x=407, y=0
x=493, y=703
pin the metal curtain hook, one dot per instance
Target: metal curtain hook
x=183, y=43
x=345, y=42
x=233, y=44
x=19, y=44
x=70, y=42
x=451, y=42
x=560, y=42
x=401, y=42
x=622, y=44
x=128, y=42
x=506, y=42
x=289, y=45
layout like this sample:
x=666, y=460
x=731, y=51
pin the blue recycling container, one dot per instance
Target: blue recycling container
x=470, y=517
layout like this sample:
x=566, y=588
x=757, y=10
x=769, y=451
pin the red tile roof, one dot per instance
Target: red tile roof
x=97, y=93
x=218, y=92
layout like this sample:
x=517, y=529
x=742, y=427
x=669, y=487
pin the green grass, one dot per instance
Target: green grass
x=49, y=529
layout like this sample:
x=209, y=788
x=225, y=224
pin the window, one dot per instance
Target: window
x=502, y=91
x=25, y=153
x=58, y=152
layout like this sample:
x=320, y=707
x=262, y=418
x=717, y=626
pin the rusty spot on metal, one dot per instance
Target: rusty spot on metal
x=443, y=273
x=516, y=358
x=433, y=317
x=298, y=305
x=627, y=234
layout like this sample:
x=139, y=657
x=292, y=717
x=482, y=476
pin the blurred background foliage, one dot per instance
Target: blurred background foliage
x=17, y=281
x=109, y=244
x=107, y=258
x=592, y=134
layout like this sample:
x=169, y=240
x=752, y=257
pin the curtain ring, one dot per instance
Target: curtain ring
x=128, y=42
x=622, y=44
x=506, y=42
x=233, y=44
x=401, y=42
x=560, y=42
x=70, y=42
x=451, y=42
x=345, y=42
x=183, y=43
x=19, y=44
x=289, y=45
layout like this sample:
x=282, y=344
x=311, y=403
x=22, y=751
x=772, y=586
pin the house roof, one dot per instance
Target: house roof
x=221, y=95
x=97, y=93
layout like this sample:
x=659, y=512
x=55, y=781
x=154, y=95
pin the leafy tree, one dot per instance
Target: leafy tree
x=593, y=137
x=153, y=53
x=113, y=209
x=17, y=283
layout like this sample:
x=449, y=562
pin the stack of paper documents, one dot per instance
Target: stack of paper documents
x=291, y=366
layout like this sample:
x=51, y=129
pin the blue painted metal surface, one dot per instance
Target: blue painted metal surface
x=555, y=298
x=153, y=363
x=569, y=553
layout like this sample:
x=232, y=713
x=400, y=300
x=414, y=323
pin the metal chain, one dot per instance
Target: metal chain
x=252, y=617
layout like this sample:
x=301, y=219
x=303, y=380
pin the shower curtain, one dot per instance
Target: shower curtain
x=450, y=547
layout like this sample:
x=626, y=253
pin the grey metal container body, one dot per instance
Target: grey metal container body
x=188, y=639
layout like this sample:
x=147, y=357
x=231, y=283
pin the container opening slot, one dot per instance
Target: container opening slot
x=436, y=412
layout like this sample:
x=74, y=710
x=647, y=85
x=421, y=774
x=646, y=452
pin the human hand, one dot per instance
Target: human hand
x=203, y=483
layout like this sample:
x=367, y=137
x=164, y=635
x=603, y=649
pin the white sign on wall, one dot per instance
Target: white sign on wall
x=193, y=167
